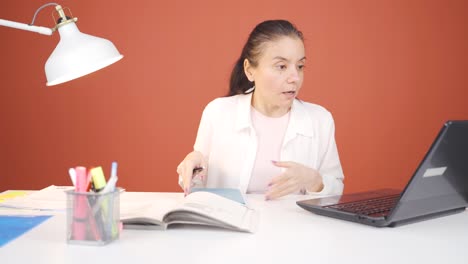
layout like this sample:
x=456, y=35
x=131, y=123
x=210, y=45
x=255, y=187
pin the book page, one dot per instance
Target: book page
x=141, y=209
x=230, y=193
x=198, y=206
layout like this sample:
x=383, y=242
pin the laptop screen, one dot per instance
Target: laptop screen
x=441, y=181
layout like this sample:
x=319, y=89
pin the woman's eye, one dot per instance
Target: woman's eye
x=281, y=67
x=301, y=67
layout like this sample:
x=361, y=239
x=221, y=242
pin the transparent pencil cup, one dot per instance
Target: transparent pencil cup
x=93, y=218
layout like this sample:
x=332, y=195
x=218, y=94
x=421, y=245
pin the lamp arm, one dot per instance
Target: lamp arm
x=30, y=27
x=23, y=26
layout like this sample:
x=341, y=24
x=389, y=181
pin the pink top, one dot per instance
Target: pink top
x=270, y=132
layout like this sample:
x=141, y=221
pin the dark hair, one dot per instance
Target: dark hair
x=264, y=32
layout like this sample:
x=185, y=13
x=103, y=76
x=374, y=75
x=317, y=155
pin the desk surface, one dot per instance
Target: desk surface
x=286, y=234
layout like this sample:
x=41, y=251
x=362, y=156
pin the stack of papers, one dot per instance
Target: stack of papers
x=11, y=194
x=50, y=198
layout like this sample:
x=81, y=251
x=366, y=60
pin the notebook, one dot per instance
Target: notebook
x=438, y=187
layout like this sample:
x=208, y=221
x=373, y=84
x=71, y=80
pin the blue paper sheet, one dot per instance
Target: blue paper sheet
x=232, y=194
x=12, y=227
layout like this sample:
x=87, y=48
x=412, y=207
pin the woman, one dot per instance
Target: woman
x=261, y=138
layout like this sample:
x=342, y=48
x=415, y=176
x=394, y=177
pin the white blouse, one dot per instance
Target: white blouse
x=228, y=140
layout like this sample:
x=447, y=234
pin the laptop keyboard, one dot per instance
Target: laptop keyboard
x=379, y=206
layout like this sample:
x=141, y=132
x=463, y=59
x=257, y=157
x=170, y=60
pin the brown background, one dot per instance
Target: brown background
x=391, y=72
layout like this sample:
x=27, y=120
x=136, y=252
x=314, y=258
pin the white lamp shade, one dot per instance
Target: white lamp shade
x=78, y=54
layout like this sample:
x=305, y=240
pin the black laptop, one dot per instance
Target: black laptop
x=439, y=187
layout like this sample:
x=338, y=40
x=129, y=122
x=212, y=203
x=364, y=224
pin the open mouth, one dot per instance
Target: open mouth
x=290, y=92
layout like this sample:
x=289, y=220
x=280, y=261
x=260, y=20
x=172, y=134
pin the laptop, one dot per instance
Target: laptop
x=439, y=187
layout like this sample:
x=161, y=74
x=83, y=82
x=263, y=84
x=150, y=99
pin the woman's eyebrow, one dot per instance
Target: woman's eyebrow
x=284, y=59
x=280, y=58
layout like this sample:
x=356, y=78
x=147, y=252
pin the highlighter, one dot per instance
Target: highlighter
x=81, y=207
x=80, y=179
x=72, y=174
x=99, y=181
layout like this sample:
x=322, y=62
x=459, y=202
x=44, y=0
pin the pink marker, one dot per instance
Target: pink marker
x=81, y=179
x=81, y=216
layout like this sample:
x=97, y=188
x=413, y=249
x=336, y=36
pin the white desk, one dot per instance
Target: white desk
x=286, y=234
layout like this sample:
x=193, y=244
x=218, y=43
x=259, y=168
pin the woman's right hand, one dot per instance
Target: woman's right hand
x=194, y=160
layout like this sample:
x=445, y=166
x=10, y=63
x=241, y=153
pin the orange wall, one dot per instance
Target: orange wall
x=390, y=71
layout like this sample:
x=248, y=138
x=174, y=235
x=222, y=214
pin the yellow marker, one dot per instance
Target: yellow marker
x=102, y=204
x=99, y=181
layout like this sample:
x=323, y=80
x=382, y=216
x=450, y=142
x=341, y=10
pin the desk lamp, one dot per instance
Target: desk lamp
x=76, y=54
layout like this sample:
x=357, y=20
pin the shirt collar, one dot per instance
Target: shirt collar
x=300, y=121
x=243, y=118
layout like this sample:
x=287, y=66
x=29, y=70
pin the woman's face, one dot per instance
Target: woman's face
x=278, y=76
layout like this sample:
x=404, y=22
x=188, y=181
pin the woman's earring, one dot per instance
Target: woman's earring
x=250, y=90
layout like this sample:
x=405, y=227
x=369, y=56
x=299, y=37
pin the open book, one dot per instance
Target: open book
x=143, y=211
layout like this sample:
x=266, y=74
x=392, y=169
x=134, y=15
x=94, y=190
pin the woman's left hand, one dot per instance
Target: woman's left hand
x=296, y=177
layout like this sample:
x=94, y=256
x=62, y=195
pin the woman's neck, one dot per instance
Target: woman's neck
x=269, y=109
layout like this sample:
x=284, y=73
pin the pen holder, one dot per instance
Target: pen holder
x=93, y=218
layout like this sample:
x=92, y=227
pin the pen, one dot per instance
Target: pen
x=114, y=169
x=197, y=169
x=111, y=188
x=195, y=180
x=89, y=182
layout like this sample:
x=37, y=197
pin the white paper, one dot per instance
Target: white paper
x=50, y=198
